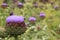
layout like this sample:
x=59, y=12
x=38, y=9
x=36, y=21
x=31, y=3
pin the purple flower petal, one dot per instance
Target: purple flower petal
x=15, y=18
x=42, y=14
x=15, y=0
x=35, y=5
x=56, y=7
x=20, y=3
x=32, y=18
x=4, y=4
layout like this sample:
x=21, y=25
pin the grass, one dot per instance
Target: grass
x=48, y=26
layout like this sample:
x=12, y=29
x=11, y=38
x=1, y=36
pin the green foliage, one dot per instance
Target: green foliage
x=49, y=27
x=14, y=30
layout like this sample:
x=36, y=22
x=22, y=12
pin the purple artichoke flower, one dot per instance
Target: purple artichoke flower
x=32, y=19
x=42, y=15
x=18, y=20
x=11, y=13
x=15, y=25
x=56, y=7
x=35, y=5
x=4, y=5
x=15, y=0
x=20, y=5
x=15, y=19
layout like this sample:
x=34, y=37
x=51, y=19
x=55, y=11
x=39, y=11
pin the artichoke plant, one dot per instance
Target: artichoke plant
x=20, y=5
x=15, y=25
x=56, y=7
x=35, y=5
x=42, y=15
x=4, y=5
x=32, y=21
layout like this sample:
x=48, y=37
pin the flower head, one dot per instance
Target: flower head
x=4, y=5
x=42, y=15
x=32, y=19
x=56, y=7
x=15, y=19
x=20, y=5
x=15, y=0
x=35, y=5
x=15, y=25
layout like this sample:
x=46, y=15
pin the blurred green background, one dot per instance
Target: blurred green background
x=49, y=27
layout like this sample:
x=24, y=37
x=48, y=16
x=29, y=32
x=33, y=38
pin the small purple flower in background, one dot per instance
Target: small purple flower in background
x=32, y=19
x=56, y=7
x=35, y=5
x=4, y=5
x=15, y=0
x=11, y=13
x=42, y=15
x=20, y=5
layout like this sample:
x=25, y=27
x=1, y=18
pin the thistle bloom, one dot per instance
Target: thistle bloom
x=15, y=19
x=32, y=19
x=56, y=7
x=42, y=15
x=20, y=5
x=4, y=5
x=35, y=5
x=15, y=0
x=15, y=24
x=11, y=13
